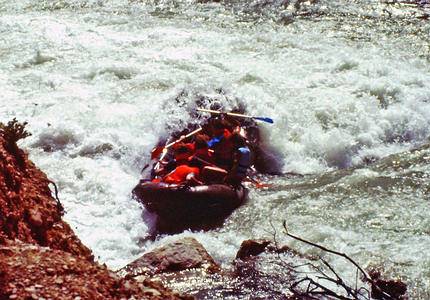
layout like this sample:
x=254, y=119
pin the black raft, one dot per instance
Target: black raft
x=205, y=206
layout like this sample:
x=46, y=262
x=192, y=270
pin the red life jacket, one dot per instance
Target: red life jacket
x=179, y=174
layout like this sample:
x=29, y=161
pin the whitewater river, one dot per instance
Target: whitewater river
x=347, y=83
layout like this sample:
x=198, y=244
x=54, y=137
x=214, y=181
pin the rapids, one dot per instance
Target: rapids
x=347, y=83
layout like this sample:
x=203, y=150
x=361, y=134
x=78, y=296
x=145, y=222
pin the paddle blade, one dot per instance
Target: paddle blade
x=260, y=185
x=156, y=152
x=265, y=119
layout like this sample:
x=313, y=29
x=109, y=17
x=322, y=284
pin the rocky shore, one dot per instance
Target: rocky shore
x=40, y=256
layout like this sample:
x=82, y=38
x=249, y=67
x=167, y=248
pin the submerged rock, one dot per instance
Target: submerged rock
x=183, y=254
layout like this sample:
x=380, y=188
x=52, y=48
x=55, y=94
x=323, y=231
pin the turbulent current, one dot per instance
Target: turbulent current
x=347, y=83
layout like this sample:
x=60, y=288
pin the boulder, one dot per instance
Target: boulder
x=186, y=253
x=395, y=288
x=251, y=248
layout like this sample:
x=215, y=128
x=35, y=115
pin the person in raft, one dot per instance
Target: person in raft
x=202, y=154
x=241, y=160
x=231, y=153
x=181, y=152
x=223, y=159
x=180, y=166
x=220, y=144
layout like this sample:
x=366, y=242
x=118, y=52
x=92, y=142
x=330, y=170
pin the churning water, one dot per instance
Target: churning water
x=347, y=83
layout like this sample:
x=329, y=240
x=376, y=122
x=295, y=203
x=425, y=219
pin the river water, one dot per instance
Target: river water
x=347, y=83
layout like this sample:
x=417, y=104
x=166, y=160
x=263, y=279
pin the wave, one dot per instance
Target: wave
x=57, y=138
x=120, y=72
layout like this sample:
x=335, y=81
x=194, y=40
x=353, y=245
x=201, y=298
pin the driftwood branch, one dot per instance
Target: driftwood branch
x=315, y=287
x=60, y=207
x=366, y=276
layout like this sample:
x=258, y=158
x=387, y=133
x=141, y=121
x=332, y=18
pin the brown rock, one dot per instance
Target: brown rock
x=395, y=288
x=251, y=248
x=35, y=217
x=183, y=254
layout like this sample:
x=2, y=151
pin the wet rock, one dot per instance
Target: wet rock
x=393, y=287
x=251, y=248
x=180, y=255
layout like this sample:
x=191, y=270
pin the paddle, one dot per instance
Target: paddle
x=155, y=153
x=264, y=119
x=257, y=183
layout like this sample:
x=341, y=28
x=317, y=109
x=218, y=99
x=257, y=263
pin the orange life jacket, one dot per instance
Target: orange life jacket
x=179, y=174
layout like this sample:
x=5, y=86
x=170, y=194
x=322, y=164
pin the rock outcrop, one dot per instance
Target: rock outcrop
x=251, y=248
x=40, y=256
x=28, y=212
x=183, y=254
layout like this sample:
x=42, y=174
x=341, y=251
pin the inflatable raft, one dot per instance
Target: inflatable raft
x=180, y=206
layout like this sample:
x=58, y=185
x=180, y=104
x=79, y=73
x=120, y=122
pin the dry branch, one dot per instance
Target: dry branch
x=315, y=288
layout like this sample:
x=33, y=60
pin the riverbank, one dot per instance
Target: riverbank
x=40, y=255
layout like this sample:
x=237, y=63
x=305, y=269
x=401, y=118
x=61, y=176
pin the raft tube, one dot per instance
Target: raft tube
x=179, y=202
